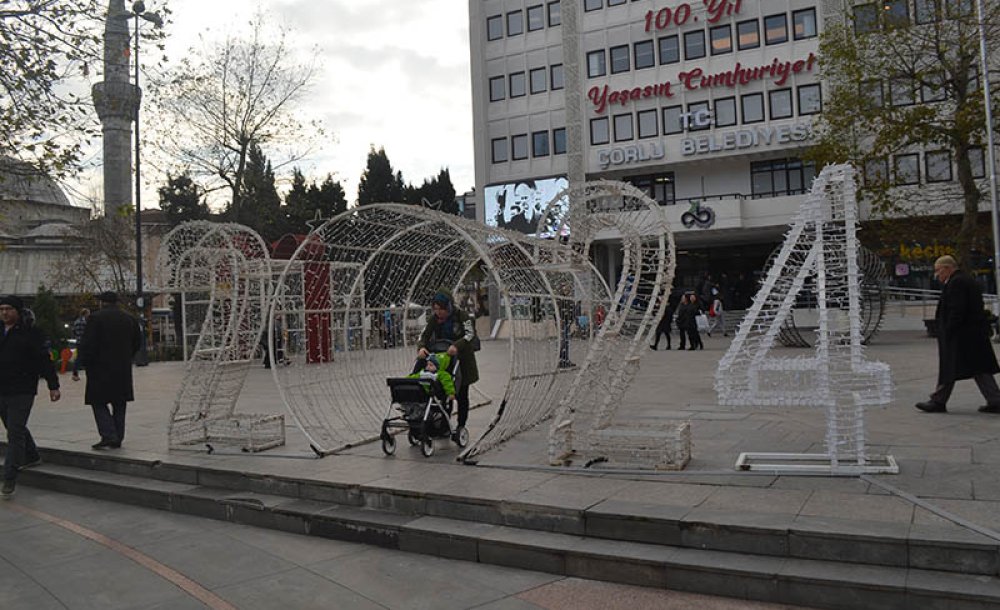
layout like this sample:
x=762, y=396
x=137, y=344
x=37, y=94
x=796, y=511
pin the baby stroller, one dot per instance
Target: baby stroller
x=424, y=415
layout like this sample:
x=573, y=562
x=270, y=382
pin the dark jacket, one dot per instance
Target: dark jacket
x=668, y=318
x=462, y=332
x=109, y=343
x=686, y=313
x=23, y=359
x=964, y=348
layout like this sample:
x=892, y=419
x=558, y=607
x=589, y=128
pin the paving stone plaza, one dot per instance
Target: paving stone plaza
x=926, y=537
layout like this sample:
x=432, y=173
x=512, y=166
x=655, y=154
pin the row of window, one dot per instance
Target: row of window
x=906, y=167
x=530, y=19
x=543, y=144
x=723, y=113
x=896, y=13
x=773, y=178
x=905, y=91
x=518, y=84
x=720, y=41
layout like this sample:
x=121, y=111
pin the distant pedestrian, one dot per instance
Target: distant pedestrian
x=110, y=342
x=687, y=321
x=716, y=313
x=23, y=359
x=79, y=326
x=964, y=349
x=666, y=321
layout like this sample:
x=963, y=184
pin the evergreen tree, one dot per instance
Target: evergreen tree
x=181, y=200
x=47, y=317
x=379, y=183
x=437, y=191
x=303, y=201
x=261, y=206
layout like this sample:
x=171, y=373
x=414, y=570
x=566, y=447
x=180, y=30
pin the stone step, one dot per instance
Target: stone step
x=780, y=579
x=851, y=541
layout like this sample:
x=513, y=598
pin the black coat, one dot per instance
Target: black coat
x=964, y=348
x=23, y=359
x=109, y=343
x=686, y=313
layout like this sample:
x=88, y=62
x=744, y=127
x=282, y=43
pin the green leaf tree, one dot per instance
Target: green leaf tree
x=261, y=208
x=438, y=192
x=897, y=85
x=380, y=183
x=182, y=200
x=46, y=312
x=303, y=201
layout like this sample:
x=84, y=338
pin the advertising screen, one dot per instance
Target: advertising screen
x=519, y=205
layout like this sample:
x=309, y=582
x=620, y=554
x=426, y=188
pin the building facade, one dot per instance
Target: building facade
x=707, y=106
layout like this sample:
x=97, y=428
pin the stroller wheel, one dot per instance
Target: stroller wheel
x=461, y=437
x=389, y=444
x=427, y=446
x=410, y=437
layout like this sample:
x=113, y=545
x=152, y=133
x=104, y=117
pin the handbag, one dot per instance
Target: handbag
x=702, y=322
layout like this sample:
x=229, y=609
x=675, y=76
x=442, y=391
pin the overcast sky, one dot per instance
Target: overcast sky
x=393, y=73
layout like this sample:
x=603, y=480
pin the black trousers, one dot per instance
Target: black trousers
x=110, y=422
x=662, y=331
x=21, y=449
x=462, y=398
x=987, y=387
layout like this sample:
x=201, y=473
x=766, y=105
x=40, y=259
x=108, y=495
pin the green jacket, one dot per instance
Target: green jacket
x=442, y=375
x=463, y=330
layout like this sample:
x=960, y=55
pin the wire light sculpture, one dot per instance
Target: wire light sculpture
x=820, y=249
x=584, y=426
x=224, y=277
x=873, y=281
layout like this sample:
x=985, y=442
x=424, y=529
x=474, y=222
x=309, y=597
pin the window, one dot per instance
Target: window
x=722, y=39
x=556, y=77
x=937, y=166
x=696, y=112
x=596, y=64
x=932, y=89
x=876, y=171
x=865, y=18
x=536, y=17
x=752, y=106
x=623, y=127
x=775, y=29
x=780, y=177
x=670, y=52
x=619, y=59
x=871, y=90
x=672, y=120
x=694, y=44
x=977, y=159
x=592, y=5
x=599, y=131
x=644, y=56
x=725, y=112
x=497, y=92
x=926, y=11
x=494, y=27
x=780, y=102
x=515, y=23
x=804, y=24
x=748, y=34
x=896, y=12
x=555, y=13
x=659, y=187
x=901, y=92
x=958, y=8
x=616, y=2
x=907, y=169
x=540, y=144
x=519, y=147
x=517, y=84
x=810, y=99
x=536, y=79
x=499, y=146
x=559, y=141
x=647, y=124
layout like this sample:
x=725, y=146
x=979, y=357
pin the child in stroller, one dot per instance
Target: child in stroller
x=424, y=402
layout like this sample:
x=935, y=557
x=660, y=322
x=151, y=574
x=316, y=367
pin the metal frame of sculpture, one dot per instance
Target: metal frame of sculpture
x=820, y=246
x=873, y=300
x=223, y=274
x=584, y=424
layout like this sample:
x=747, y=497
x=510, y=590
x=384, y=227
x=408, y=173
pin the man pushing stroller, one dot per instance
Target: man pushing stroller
x=450, y=325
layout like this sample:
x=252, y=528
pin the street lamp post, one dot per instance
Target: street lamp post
x=990, y=154
x=139, y=11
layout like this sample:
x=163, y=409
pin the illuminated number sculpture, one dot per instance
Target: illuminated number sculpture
x=821, y=249
x=223, y=275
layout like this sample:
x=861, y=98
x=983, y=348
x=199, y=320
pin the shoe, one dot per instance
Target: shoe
x=652, y=347
x=989, y=409
x=7, y=492
x=931, y=407
x=691, y=349
x=106, y=444
x=30, y=464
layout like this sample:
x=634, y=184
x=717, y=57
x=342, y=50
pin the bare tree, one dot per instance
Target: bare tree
x=103, y=260
x=220, y=101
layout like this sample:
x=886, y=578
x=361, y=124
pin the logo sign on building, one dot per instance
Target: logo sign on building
x=519, y=205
